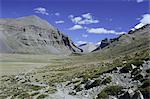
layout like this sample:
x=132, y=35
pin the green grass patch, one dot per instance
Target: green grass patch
x=110, y=90
x=107, y=80
x=42, y=96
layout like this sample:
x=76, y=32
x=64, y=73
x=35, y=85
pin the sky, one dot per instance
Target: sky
x=84, y=21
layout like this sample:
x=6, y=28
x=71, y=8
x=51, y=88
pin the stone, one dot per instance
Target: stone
x=138, y=95
x=127, y=95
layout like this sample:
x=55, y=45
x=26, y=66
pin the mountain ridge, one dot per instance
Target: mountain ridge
x=33, y=35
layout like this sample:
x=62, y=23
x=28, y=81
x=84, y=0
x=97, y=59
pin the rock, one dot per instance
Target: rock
x=133, y=66
x=136, y=71
x=124, y=62
x=103, y=44
x=126, y=69
x=92, y=83
x=22, y=81
x=88, y=47
x=127, y=95
x=139, y=77
x=138, y=95
x=112, y=97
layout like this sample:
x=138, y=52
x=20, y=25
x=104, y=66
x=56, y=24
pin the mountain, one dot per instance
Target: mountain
x=33, y=35
x=133, y=38
x=88, y=47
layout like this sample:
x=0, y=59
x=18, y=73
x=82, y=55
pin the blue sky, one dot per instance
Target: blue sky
x=82, y=20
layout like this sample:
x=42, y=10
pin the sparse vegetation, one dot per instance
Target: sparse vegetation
x=97, y=82
x=107, y=80
x=145, y=88
x=24, y=96
x=110, y=90
x=42, y=96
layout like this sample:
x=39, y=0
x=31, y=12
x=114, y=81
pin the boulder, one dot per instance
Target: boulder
x=138, y=95
x=127, y=95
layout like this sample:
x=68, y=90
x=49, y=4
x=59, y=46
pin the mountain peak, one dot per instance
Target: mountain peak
x=34, y=17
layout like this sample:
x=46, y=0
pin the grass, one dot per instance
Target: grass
x=107, y=80
x=145, y=88
x=42, y=96
x=63, y=68
x=110, y=90
x=24, y=96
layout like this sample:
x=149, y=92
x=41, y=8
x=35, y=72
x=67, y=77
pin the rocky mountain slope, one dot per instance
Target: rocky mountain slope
x=33, y=35
x=120, y=70
x=132, y=38
x=88, y=47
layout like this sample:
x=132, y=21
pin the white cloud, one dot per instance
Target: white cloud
x=87, y=16
x=41, y=10
x=88, y=21
x=57, y=14
x=139, y=1
x=84, y=35
x=76, y=20
x=70, y=16
x=59, y=22
x=81, y=42
x=76, y=27
x=83, y=19
x=103, y=31
x=145, y=19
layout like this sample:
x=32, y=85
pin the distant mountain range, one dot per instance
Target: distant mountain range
x=88, y=47
x=133, y=40
x=33, y=35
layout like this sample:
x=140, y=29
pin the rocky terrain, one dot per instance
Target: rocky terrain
x=88, y=47
x=118, y=69
x=33, y=35
x=129, y=38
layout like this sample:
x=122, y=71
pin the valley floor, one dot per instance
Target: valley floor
x=73, y=77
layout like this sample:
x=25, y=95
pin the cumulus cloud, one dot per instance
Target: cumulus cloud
x=76, y=20
x=83, y=19
x=76, y=27
x=59, y=22
x=87, y=16
x=57, y=14
x=41, y=10
x=103, y=31
x=84, y=35
x=139, y=1
x=143, y=21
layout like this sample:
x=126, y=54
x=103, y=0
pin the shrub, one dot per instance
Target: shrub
x=148, y=70
x=137, y=62
x=110, y=90
x=146, y=83
x=135, y=71
x=24, y=96
x=42, y=96
x=78, y=88
x=102, y=95
x=107, y=80
x=145, y=88
x=138, y=77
